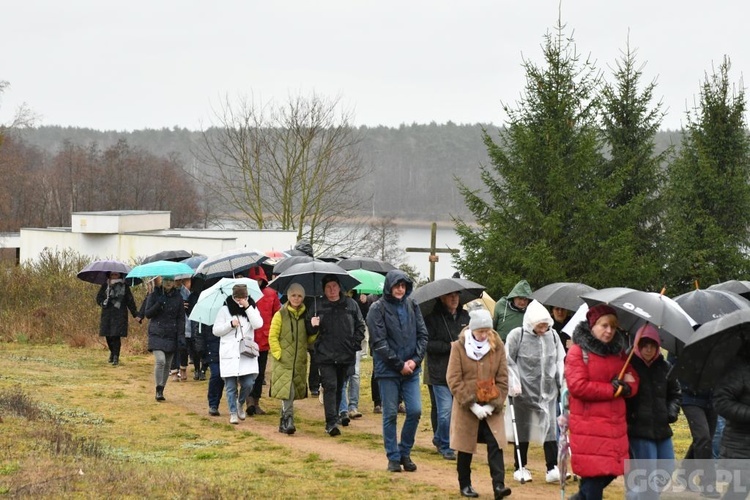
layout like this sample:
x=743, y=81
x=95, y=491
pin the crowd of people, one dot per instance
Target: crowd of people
x=476, y=363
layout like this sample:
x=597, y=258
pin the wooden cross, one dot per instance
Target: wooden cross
x=433, y=251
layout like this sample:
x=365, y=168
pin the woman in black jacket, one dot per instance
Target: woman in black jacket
x=116, y=300
x=165, y=310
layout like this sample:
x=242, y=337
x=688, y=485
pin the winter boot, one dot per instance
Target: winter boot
x=251, y=406
x=115, y=360
x=160, y=393
x=257, y=409
x=290, y=428
x=111, y=357
x=183, y=374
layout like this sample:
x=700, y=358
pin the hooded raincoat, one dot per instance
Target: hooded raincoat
x=538, y=362
x=507, y=316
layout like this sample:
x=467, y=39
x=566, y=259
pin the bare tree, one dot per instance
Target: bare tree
x=294, y=166
x=23, y=117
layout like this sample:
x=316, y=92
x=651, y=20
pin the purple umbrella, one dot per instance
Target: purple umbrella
x=97, y=272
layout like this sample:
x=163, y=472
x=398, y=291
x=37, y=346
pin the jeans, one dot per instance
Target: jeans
x=649, y=449
x=409, y=387
x=592, y=488
x=246, y=384
x=350, y=389
x=162, y=362
x=332, y=377
x=443, y=404
x=215, y=385
x=716, y=442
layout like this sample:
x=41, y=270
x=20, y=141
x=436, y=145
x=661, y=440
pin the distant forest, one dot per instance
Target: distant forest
x=412, y=167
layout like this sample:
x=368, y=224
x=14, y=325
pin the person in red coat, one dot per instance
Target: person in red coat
x=598, y=425
x=267, y=306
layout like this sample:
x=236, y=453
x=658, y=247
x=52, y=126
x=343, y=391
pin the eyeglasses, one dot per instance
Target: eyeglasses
x=400, y=284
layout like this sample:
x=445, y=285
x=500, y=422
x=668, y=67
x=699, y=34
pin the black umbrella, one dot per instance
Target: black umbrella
x=229, y=263
x=707, y=305
x=285, y=264
x=426, y=294
x=638, y=308
x=170, y=255
x=562, y=294
x=368, y=263
x=712, y=347
x=97, y=271
x=740, y=287
x=310, y=276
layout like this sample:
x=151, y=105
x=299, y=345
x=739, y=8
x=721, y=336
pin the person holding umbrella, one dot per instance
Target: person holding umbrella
x=165, y=311
x=338, y=323
x=115, y=299
x=598, y=425
x=236, y=321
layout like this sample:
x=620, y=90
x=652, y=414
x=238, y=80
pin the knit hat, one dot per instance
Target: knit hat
x=596, y=312
x=480, y=318
x=295, y=288
x=239, y=291
x=330, y=277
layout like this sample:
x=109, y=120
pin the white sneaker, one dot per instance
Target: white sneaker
x=233, y=419
x=522, y=475
x=242, y=413
x=553, y=475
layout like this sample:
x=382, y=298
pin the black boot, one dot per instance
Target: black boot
x=160, y=393
x=290, y=428
x=282, y=426
x=115, y=360
x=111, y=357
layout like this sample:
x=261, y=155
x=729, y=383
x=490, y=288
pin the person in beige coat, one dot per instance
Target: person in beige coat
x=477, y=414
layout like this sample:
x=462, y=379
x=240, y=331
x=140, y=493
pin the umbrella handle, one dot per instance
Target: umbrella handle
x=618, y=392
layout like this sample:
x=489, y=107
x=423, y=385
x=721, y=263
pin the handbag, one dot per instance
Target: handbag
x=486, y=388
x=249, y=348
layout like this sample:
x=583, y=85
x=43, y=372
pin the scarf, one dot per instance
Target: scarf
x=474, y=348
x=115, y=293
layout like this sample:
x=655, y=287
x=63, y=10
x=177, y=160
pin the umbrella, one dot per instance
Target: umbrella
x=96, y=272
x=707, y=305
x=370, y=282
x=211, y=299
x=275, y=254
x=194, y=261
x=712, y=347
x=310, y=275
x=173, y=255
x=640, y=307
x=160, y=268
x=563, y=446
x=230, y=263
x=285, y=264
x=374, y=265
x=425, y=294
x=740, y=287
x=562, y=294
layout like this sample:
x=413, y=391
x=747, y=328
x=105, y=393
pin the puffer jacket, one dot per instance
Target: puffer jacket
x=732, y=401
x=597, y=423
x=267, y=305
x=442, y=329
x=166, y=314
x=397, y=329
x=340, y=332
x=289, y=339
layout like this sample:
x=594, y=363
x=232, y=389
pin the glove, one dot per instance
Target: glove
x=514, y=390
x=488, y=409
x=617, y=383
x=673, y=413
x=479, y=411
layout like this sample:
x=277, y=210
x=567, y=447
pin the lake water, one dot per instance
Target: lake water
x=419, y=236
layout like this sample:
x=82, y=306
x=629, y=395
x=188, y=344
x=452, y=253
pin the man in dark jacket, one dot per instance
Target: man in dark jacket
x=444, y=324
x=340, y=329
x=398, y=339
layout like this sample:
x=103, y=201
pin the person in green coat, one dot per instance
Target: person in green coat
x=510, y=309
x=288, y=341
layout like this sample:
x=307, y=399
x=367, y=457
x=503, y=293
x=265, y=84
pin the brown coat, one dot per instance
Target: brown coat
x=462, y=380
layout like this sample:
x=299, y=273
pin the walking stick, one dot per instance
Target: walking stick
x=515, y=436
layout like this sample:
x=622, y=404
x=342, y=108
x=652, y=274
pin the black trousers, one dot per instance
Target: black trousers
x=494, y=459
x=592, y=488
x=375, y=387
x=313, y=379
x=702, y=422
x=332, y=377
x=114, y=344
x=257, y=389
x=550, y=454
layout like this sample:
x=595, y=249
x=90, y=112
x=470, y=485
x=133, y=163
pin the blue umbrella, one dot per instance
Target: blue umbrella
x=98, y=271
x=212, y=299
x=194, y=261
x=160, y=268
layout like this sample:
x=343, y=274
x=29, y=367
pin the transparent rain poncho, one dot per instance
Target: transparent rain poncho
x=535, y=365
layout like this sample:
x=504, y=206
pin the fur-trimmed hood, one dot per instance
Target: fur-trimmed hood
x=583, y=337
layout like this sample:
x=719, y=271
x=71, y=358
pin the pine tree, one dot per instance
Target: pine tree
x=536, y=222
x=708, y=193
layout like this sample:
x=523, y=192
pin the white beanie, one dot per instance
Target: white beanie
x=296, y=287
x=480, y=318
x=536, y=313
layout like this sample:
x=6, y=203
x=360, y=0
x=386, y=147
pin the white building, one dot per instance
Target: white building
x=131, y=235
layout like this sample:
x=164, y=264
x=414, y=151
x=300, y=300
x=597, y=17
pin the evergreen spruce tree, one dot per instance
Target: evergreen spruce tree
x=630, y=249
x=535, y=221
x=708, y=212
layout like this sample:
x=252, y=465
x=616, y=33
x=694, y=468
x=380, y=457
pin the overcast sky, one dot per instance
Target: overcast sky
x=153, y=64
